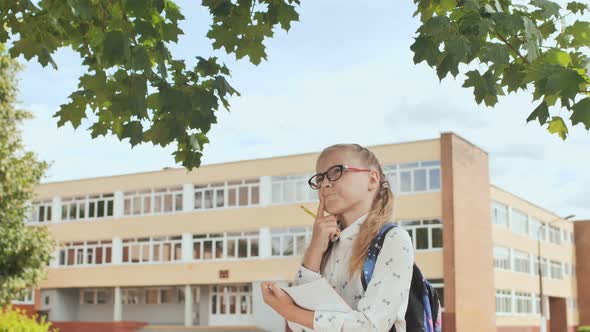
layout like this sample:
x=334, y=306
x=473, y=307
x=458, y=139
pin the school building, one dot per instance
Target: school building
x=178, y=249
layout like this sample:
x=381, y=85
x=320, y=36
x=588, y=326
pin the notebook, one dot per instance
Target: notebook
x=317, y=295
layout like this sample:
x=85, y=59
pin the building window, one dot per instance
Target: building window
x=544, y=269
x=237, y=193
x=132, y=296
x=522, y=261
x=231, y=300
x=519, y=222
x=292, y=189
x=87, y=207
x=95, y=296
x=27, y=298
x=289, y=241
x=538, y=230
x=556, y=270
x=499, y=214
x=425, y=234
x=415, y=177
x=85, y=253
x=41, y=212
x=503, y=301
x=554, y=235
x=502, y=258
x=233, y=245
x=152, y=250
x=153, y=201
x=242, y=244
x=524, y=303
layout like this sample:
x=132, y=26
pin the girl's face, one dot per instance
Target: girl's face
x=352, y=189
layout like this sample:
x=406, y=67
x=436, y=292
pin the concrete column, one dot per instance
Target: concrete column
x=118, y=305
x=188, y=306
x=117, y=251
x=188, y=197
x=118, y=204
x=187, y=247
x=265, y=190
x=56, y=209
x=264, y=243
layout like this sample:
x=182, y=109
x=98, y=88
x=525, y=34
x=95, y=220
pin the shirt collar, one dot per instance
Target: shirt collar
x=349, y=233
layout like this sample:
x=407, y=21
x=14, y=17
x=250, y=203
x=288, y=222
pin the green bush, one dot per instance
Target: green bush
x=584, y=328
x=15, y=320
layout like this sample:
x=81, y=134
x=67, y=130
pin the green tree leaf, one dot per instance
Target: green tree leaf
x=540, y=113
x=484, y=87
x=549, y=8
x=581, y=113
x=557, y=126
x=577, y=7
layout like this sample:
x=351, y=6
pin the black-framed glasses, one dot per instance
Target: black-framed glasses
x=332, y=174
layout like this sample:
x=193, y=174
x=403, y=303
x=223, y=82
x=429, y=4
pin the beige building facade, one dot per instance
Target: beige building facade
x=181, y=248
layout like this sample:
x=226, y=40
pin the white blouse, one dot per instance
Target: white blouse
x=386, y=299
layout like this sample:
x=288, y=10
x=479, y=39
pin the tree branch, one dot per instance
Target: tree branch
x=512, y=48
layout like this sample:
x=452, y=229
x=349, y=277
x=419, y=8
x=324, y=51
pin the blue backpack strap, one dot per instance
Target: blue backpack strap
x=374, y=249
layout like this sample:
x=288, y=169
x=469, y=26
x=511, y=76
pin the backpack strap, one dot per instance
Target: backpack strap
x=374, y=249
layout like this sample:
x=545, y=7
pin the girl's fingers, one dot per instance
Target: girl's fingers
x=320, y=213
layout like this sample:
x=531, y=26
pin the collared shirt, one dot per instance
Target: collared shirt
x=385, y=301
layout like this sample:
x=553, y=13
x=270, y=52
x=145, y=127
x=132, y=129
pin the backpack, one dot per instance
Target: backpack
x=423, y=312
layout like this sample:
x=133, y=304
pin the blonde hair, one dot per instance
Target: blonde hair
x=381, y=211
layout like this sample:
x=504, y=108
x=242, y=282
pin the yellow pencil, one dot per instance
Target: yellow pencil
x=307, y=211
x=313, y=215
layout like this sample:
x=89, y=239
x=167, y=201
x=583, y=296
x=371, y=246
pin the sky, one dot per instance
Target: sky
x=343, y=73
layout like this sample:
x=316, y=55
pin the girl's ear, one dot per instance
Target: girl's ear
x=373, y=180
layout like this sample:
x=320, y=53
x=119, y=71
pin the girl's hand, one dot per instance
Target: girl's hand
x=324, y=228
x=276, y=298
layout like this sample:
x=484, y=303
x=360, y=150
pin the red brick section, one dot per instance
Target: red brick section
x=28, y=309
x=467, y=237
x=582, y=240
x=98, y=326
x=558, y=313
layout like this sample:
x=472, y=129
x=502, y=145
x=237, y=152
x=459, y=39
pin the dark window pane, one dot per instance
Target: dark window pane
x=110, y=208
x=243, y=248
x=255, y=195
x=178, y=203
x=91, y=210
x=243, y=196
x=41, y=213
x=73, y=211
x=421, y=238
x=100, y=209
x=437, y=239
x=253, y=247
